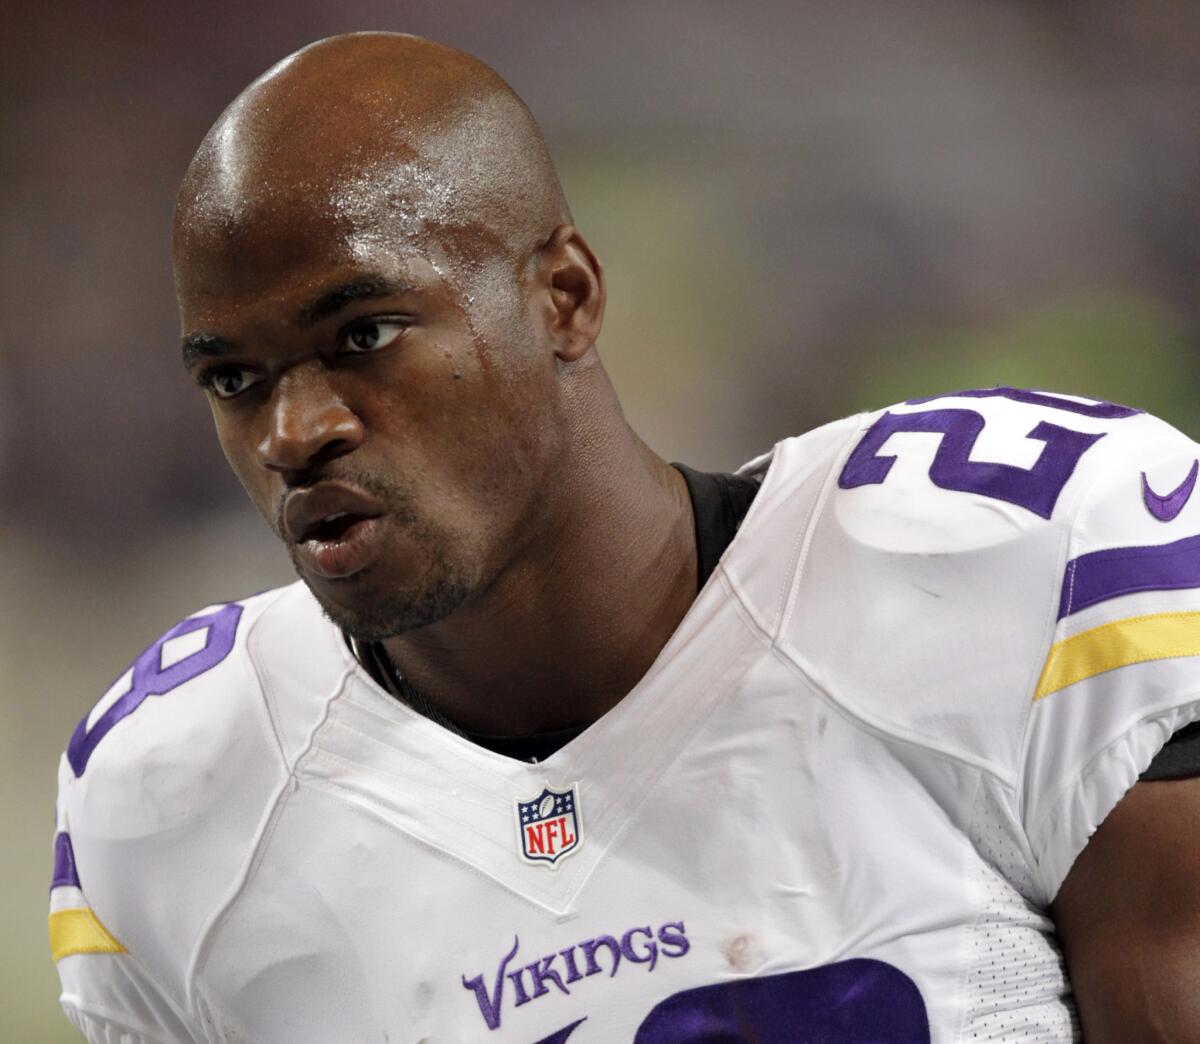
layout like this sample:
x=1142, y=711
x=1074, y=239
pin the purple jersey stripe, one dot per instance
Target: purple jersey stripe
x=1101, y=575
x=64, y=862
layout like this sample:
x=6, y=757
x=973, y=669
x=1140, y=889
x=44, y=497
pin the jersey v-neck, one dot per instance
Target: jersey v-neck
x=380, y=755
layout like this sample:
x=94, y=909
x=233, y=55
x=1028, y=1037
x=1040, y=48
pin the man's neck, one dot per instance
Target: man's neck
x=570, y=625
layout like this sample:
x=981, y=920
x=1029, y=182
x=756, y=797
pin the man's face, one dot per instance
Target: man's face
x=385, y=396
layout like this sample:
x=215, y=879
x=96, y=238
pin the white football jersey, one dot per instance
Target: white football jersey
x=945, y=641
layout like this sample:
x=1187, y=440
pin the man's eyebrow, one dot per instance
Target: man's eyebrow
x=202, y=346
x=333, y=301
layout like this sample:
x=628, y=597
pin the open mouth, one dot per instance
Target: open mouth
x=341, y=545
x=335, y=527
x=332, y=527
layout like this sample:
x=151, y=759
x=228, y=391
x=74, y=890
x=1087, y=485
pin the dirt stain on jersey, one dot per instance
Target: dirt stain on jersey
x=741, y=953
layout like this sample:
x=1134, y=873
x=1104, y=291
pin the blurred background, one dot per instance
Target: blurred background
x=804, y=209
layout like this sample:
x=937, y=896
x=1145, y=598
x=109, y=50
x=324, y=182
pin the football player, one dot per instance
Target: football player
x=553, y=741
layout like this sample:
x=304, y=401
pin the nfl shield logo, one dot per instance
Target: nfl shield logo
x=550, y=826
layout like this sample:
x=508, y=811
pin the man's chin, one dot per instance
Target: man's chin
x=369, y=616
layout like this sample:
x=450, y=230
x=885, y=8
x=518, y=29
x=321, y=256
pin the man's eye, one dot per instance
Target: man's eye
x=370, y=337
x=229, y=381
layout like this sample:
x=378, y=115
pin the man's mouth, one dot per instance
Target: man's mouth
x=335, y=528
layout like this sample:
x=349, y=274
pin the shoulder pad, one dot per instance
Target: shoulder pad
x=928, y=589
x=975, y=468
x=165, y=784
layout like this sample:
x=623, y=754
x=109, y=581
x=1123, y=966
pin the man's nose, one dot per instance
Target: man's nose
x=308, y=424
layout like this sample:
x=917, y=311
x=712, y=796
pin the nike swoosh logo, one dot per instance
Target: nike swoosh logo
x=1168, y=507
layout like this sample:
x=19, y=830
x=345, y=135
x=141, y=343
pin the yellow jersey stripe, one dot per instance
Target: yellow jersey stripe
x=79, y=931
x=1135, y=639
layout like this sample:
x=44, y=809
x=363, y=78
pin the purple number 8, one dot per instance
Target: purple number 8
x=150, y=678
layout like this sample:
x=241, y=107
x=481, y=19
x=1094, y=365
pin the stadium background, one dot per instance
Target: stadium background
x=803, y=210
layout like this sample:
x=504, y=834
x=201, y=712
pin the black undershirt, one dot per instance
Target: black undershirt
x=1180, y=758
x=719, y=504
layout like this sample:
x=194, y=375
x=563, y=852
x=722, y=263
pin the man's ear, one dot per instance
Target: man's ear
x=575, y=283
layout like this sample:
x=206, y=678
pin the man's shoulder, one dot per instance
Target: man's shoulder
x=166, y=785
x=1024, y=457
x=967, y=468
x=985, y=482
x=930, y=546
x=209, y=717
x=203, y=679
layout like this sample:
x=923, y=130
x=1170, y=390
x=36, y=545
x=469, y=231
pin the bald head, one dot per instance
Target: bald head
x=387, y=306
x=378, y=136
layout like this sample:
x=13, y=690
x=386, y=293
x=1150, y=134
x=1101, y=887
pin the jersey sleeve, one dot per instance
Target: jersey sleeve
x=163, y=791
x=1122, y=671
x=107, y=994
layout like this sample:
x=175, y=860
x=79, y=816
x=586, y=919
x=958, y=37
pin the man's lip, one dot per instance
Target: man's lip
x=344, y=555
x=305, y=509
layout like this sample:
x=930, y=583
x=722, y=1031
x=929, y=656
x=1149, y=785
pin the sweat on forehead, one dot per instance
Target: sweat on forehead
x=375, y=134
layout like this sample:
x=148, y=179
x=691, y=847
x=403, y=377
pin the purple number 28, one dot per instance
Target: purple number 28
x=1036, y=488
x=150, y=678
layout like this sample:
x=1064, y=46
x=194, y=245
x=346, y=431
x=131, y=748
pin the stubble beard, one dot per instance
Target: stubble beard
x=381, y=615
x=382, y=611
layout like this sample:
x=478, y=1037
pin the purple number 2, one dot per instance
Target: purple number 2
x=1036, y=488
x=150, y=678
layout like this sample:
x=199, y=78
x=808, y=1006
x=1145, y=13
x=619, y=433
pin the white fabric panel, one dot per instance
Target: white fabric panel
x=1065, y=823
x=111, y=998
